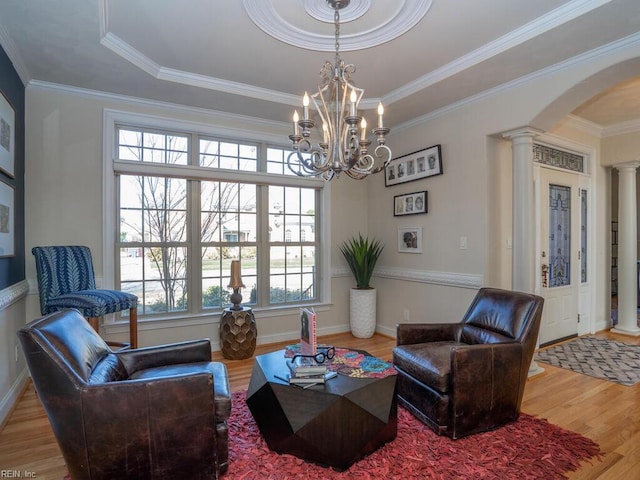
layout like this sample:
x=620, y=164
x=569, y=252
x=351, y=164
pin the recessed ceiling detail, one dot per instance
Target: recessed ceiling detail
x=319, y=10
x=407, y=14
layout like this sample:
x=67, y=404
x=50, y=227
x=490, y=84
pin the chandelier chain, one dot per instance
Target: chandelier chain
x=336, y=20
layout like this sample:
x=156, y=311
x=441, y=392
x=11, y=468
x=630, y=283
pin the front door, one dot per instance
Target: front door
x=560, y=253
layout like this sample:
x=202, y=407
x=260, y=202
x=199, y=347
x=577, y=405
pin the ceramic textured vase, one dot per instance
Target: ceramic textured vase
x=363, y=312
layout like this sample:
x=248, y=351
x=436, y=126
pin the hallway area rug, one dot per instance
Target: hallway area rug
x=596, y=357
x=530, y=448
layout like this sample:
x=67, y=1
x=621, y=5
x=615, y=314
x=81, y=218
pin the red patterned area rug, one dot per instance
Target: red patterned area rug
x=530, y=448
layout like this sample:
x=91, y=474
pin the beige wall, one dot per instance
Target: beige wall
x=617, y=149
x=472, y=199
x=64, y=204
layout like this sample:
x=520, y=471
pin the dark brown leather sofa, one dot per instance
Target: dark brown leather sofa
x=151, y=413
x=469, y=377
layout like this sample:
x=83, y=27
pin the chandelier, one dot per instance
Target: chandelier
x=344, y=144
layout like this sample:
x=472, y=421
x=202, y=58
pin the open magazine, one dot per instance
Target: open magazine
x=308, y=342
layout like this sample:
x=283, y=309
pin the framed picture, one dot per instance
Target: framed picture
x=7, y=216
x=7, y=136
x=410, y=204
x=416, y=165
x=410, y=239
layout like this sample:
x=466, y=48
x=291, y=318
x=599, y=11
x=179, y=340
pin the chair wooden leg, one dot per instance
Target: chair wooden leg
x=95, y=323
x=133, y=327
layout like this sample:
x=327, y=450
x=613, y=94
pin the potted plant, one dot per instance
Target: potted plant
x=361, y=255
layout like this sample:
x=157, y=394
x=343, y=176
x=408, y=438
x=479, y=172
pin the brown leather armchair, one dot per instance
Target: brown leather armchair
x=151, y=413
x=469, y=377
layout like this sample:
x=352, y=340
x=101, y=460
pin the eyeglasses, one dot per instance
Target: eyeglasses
x=320, y=356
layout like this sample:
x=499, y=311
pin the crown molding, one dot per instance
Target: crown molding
x=144, y=63
x=628, y=42
x=11, y=50
x=597, y=130
x=537, y=27
x=223, y=117
x=260, y=9
x=583, y=125
x=631, y=126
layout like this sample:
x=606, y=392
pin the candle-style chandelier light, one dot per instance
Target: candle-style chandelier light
x=344, y=143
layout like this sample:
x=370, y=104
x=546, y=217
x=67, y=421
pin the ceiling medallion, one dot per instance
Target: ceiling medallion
x=405, y=16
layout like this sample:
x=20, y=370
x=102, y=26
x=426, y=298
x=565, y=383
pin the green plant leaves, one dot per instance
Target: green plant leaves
x=361, y=255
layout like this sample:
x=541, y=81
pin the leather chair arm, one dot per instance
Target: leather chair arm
x=134, y=428
x=412, y=333
x=485, y=379
x=152, y=357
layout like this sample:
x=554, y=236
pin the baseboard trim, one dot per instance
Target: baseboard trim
x=558, y=340
x=10, y=400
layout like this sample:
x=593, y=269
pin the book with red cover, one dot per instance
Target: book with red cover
x=308, y=342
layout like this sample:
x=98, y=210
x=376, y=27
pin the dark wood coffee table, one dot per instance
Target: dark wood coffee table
x=335, y=424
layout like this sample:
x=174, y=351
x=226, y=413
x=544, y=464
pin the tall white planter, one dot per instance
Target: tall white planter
x=363, y=312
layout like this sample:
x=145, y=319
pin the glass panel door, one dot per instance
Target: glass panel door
x=559, y=236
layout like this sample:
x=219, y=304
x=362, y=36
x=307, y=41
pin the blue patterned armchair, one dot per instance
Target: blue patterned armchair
x=66, y=280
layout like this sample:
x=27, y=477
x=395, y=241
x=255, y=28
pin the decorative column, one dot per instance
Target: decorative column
x=523, y=215
x=523, y=275
x=627, y=250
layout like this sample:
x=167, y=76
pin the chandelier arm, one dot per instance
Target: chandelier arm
x=314, y=165
x=336, y=102
x=382, y=151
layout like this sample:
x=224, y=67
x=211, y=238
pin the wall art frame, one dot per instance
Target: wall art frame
x=7, y=136
x=7, y=220
x=414, y=166
x=410, y=239
x=410, y=204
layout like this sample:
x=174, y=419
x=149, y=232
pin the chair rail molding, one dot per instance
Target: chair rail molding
x=450, y=279
x=13, y=293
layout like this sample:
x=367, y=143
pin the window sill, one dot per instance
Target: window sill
x=206, y=318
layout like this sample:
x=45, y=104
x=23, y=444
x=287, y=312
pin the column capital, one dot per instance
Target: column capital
x=627, y=165
x=529, y=132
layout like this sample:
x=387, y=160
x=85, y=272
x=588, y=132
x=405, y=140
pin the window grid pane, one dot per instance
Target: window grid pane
x=216, y=273
x=157, y=232
x=228, y=155
x=157, y=275
x=292, y=264
x=153, y=147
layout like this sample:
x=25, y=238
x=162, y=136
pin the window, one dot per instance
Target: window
x=187, y=203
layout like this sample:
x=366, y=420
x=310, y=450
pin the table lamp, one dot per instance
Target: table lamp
x=236, y=284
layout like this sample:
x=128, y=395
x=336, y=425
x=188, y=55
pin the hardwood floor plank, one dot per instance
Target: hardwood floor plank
x=604, y=411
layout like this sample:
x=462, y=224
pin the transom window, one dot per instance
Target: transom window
x=558, y=158
x=187, y=204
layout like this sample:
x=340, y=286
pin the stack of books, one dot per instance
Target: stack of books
x=307, y=373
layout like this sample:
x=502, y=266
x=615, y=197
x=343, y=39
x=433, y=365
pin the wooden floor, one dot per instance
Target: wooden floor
x=603, y=411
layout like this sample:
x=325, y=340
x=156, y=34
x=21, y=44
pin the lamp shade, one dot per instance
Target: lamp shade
x=236, y=277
